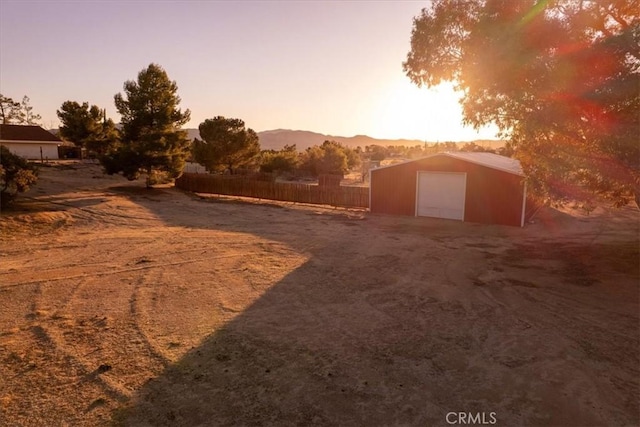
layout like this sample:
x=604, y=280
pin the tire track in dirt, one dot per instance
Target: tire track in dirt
x=101, y=332
x=46, y=326
x=136, y=314
x=93, y=214
x=94, y=334
x=398, y=308
x=38, y=358
x=70, y=314
x=53, y=346
x=36, y=368
x=114, y=272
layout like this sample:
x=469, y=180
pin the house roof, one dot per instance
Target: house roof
x=490, y=160
x=26, y=133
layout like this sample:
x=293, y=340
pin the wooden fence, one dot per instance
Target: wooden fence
x=352, y=197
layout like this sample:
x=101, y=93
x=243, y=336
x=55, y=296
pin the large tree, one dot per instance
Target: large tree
x=227, y=145
x=151, y=135
x=87, y=126
x=561, y=80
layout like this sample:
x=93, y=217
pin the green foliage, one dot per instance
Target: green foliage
x=227, y=145
x=9, y=110
x=17, y=113
x=87, y=126
x=151, y=137
x=376, y=152
x=353, y=156
x=105, y=139
x=278, y=162
x=329, y=158
x=475, y=148
x=561, y=79
x=16, y=175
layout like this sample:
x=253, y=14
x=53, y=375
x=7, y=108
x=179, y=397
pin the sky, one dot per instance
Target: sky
x=333, y=67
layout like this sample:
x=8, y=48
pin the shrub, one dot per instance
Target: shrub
x=16, y=175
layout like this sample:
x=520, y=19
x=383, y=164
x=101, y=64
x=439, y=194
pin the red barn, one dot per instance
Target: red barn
x=475, y=187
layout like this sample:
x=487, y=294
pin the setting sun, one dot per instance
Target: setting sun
x=405, y=111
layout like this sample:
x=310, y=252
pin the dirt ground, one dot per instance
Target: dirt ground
x=126, y=306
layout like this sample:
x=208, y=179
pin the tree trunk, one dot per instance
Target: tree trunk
x=148, y=183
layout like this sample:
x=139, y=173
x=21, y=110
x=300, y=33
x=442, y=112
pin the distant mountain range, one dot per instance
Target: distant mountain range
x=278, y=138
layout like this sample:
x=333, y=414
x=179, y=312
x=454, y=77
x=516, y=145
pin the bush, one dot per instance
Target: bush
x=16, y=175
x=280, y=162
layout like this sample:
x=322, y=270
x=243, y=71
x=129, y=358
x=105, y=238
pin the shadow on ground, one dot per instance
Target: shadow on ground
x=435, y=326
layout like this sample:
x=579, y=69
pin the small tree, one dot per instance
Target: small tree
x=151, y=137
x=353, y=157
x=475, y=148
x=376, y=152
x=285, y=160
x=106, y=137
x=27, y=116
x=87, y=126
x=16, y=175
x=441, y=147
x=17, y=113
x=329, y=158
x=9, y=110
x=226, y=145
x=335, y=160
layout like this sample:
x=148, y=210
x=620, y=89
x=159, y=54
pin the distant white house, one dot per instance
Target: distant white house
x=30, y=142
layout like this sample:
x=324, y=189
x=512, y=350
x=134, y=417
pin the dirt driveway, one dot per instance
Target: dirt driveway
x=134, y=307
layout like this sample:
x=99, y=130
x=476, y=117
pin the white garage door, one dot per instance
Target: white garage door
x=441, y=194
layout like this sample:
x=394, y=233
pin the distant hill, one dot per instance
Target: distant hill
x=276, y=140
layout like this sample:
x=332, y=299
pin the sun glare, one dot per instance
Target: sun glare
x=406, y=111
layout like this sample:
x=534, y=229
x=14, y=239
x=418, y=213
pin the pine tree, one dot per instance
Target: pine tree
x=228, y=145
x=151, y=137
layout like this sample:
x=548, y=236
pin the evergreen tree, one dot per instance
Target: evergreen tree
x=227, y=145
x=9, y=110
x=27, y=116
x=283, y=161
x=151, y=137
x=329, y=158
x=87, y=126
x=17, y=113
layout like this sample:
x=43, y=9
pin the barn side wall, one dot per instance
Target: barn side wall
x=393, y=191
x=31, y=151
x=492, y=196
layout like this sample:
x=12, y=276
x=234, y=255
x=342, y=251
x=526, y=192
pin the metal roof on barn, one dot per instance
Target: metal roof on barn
x=490, y=160
x=26, y=133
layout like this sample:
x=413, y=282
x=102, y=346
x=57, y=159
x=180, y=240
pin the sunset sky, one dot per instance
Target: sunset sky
x=329, y=67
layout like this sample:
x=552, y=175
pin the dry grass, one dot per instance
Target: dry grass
x=136, y=307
